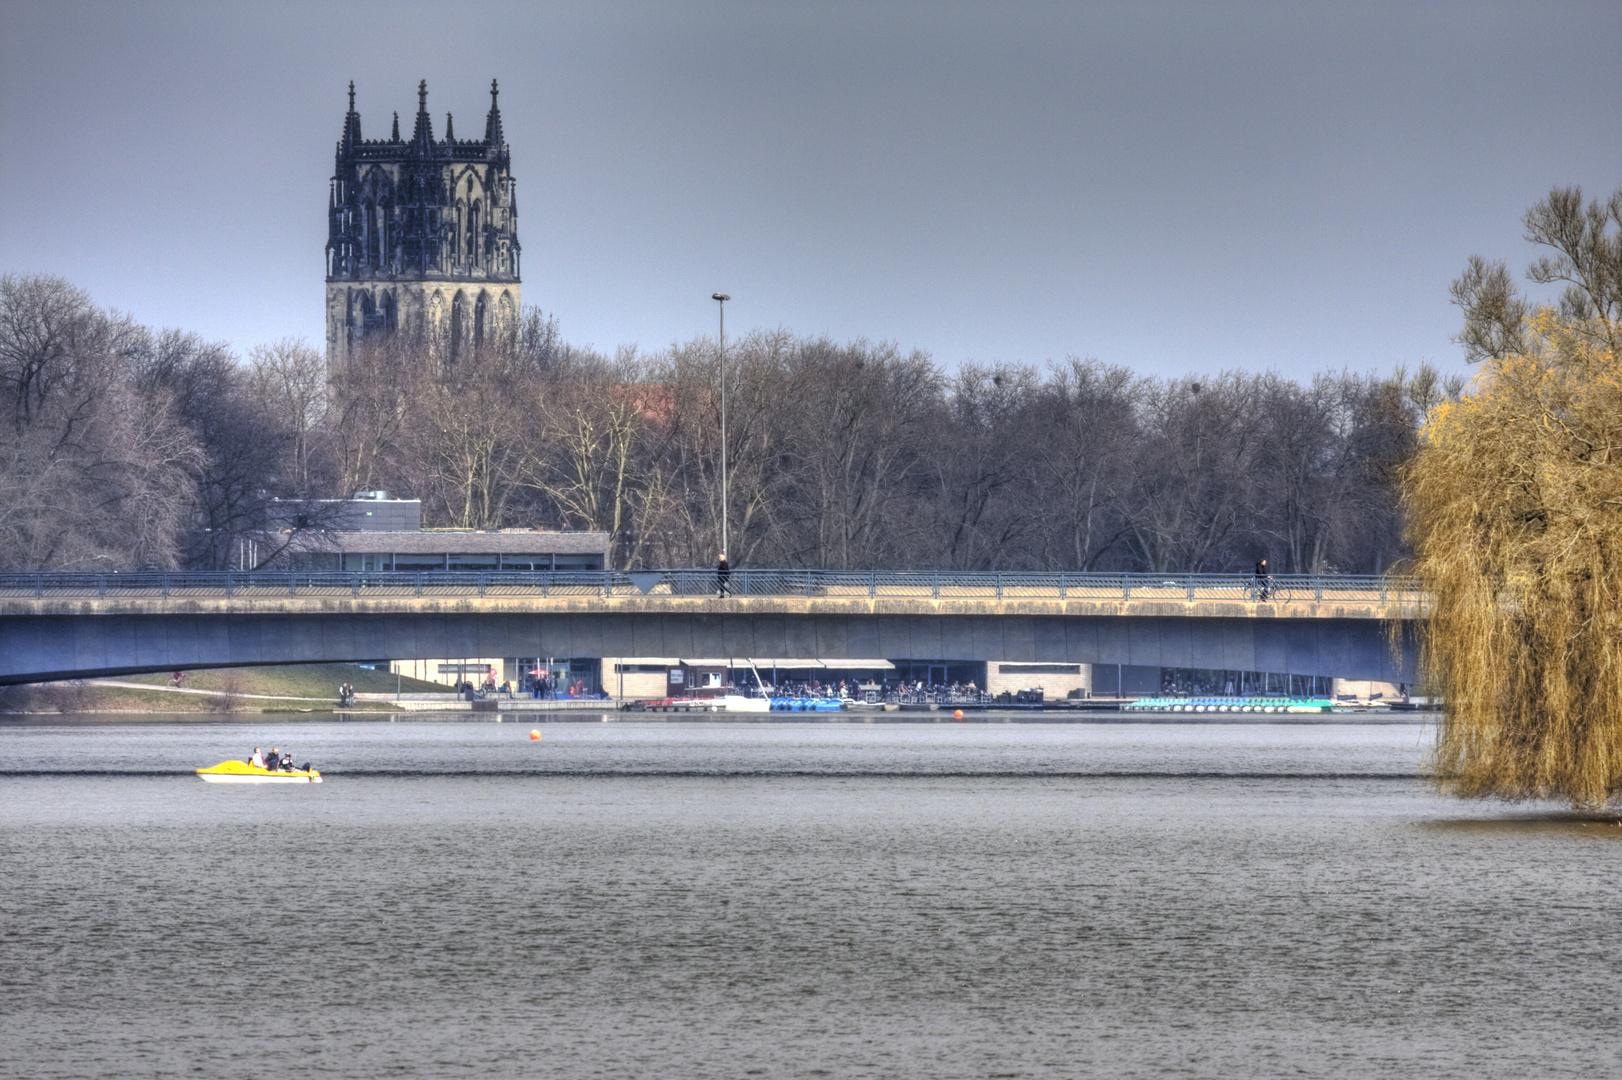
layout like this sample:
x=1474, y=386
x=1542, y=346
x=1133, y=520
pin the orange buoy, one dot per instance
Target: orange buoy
x=958, y=715
x=535, y=735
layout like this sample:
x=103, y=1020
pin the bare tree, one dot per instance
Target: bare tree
x=464, y=450
x=97, y=473
x=289, y=381
x=981, y=453
x=371, y=398
x=857, y=447
x=1587, y=257
x=597, y=423
x=1078, y=460
x=1191, y=484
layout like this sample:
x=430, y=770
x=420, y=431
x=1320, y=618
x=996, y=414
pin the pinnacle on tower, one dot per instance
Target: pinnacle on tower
x=352, y=118
x=423, y=136
x=492, y=123
x=450, y=129
x=396, y=136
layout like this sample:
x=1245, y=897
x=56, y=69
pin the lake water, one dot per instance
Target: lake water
x=788, y=900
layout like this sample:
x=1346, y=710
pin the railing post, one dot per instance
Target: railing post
x=101, y=585
x=484, y=581
x=419, y=582
x=1126, y=585
x=1318, y=587
x=1191, y=588
x=873, y=584
x=937, y=585
x=165, y=582
x=999, y=585
x=1063, y=591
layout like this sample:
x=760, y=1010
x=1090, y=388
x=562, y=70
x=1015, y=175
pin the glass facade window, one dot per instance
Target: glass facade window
x=374, y=561
x=414, y=563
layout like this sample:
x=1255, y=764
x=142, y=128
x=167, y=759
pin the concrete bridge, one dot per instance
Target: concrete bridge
x=69, y=625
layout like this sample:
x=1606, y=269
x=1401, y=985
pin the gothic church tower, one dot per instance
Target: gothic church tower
x=422, y=237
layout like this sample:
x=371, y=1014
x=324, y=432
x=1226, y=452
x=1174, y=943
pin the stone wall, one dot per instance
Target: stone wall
x=1055, y=680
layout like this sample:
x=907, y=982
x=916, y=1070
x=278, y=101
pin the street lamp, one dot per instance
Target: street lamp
x=721, y=300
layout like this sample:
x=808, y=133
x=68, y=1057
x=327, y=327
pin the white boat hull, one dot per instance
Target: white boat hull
x=228, y=778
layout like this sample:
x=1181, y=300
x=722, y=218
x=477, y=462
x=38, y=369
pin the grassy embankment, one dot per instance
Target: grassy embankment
x=285, y=689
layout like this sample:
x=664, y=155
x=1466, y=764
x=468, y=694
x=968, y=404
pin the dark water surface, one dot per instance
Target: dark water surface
x=661, y=900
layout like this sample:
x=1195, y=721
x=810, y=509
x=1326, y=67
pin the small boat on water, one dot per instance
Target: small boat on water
x=240, y=772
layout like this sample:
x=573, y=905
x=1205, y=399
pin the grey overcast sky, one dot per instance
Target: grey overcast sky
x=1174, y=187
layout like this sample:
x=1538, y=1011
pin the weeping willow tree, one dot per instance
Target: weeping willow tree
x=1514, y=503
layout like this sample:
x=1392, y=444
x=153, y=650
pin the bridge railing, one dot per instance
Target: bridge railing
x=872, y=584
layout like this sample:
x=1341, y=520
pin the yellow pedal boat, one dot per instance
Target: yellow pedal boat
x=240, y=772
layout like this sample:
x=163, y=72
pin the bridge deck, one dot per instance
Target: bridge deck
x=82, y=625
x=763, y=591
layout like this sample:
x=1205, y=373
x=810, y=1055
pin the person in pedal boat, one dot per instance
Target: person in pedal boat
x=258, y=759
x=274, y=761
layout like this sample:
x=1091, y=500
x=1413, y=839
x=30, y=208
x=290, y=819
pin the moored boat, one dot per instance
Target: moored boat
x=240, y=772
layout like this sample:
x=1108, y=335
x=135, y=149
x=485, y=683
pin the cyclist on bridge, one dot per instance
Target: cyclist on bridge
x=1264, y=580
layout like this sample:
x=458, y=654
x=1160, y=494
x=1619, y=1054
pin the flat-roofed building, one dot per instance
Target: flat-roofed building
x=450, y=549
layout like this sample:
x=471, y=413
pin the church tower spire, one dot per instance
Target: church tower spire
x=351, y=119
x=422, y=138
x=492, y=123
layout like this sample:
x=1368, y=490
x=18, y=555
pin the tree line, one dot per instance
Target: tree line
x=127, y=447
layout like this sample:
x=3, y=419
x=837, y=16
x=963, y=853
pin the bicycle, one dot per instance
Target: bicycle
x=1267, y=590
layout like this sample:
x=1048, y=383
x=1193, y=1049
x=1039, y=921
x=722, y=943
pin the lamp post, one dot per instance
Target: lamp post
x=721, y=300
